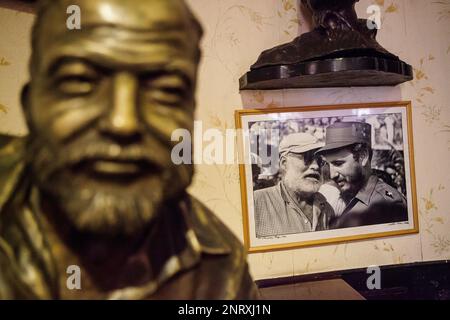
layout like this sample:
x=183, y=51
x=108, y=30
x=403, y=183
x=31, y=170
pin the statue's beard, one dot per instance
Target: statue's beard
x=105, y=211
x=104, y=207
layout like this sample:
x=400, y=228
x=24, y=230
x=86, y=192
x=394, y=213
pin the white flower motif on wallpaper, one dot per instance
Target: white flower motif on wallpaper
x=255, y=17
x=425, y=96
x=382, y=246
x=289, y=13
x=225, y=177
x=421, y=81
x=263, y=99
x=224, y=192
x=387, y=248
x=444, y=9
x=225, y=31
x=443, y=14
x=432, y=114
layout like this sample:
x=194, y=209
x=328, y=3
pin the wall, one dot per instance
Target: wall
x=14, y=54
x=236, y=31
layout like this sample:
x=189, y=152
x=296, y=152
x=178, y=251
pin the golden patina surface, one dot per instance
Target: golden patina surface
x=93, y=185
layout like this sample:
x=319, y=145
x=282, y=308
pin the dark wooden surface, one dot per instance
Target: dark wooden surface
x=335, y=289
x=415, y=281
x=340, y=72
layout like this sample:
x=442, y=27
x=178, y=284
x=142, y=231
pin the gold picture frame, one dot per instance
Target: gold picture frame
x=397, y=114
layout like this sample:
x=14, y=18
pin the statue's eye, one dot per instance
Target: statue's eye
x=74, y=78
x=166, y=89
x=75, y=85
x=168, y=95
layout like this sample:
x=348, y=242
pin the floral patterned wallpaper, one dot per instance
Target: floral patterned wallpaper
x=14, y=53
x=4, y=63
x=236, y=31
x=416, y=30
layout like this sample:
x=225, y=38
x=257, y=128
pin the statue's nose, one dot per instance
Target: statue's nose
x=122, y=118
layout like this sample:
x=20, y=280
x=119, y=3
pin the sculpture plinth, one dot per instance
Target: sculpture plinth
x=340, y=52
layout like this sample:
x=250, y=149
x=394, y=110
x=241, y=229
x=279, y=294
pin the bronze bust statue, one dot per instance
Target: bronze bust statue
x=340, y=51
x=93, y=184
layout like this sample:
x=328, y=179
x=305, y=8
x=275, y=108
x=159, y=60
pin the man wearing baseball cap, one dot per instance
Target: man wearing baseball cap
x=293, y=205
x=369, y=200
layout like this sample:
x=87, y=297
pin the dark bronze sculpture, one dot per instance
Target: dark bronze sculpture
x=93, y=185
x=340, y=51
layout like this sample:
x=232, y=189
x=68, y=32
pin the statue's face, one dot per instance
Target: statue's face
x=102, y=105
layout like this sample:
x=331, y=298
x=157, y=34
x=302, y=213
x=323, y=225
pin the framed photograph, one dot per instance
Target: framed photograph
x=326, y=174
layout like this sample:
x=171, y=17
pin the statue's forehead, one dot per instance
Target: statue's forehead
x=132, y=14
x=135, y=31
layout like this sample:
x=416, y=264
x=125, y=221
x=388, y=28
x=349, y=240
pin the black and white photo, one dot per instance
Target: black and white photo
x=325, y=174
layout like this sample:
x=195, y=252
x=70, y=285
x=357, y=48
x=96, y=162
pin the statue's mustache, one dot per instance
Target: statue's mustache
x=48, y=162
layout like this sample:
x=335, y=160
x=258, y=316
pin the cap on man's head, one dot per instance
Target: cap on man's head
x=342, y=134
x=298, y=143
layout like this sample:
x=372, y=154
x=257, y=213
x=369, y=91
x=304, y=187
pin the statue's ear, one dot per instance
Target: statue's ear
x=26, y=105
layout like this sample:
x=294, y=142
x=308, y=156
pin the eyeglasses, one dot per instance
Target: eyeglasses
x=308, y=157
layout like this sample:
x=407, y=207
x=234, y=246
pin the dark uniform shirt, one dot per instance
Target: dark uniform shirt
x=197, y=257
x=375, y=203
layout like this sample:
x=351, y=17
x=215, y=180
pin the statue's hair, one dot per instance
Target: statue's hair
x=43, y=5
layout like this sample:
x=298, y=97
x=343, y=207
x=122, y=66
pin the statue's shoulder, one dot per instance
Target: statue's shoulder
x=11, y=148
x=212, y=233
x=224, y=269
x=12, y=164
